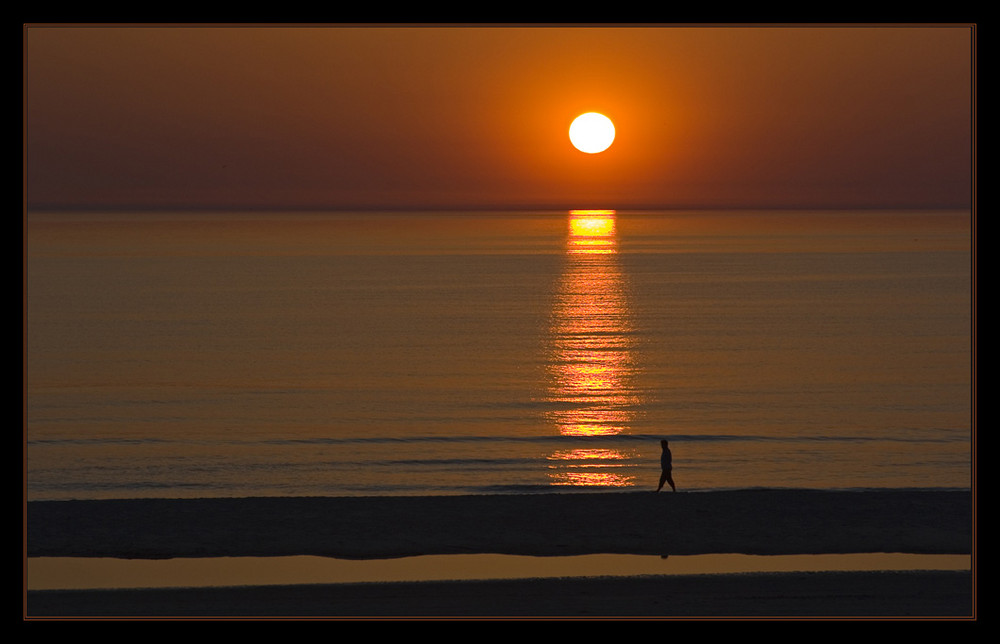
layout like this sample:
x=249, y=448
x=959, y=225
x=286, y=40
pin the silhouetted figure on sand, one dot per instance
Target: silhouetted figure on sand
x=666, y=465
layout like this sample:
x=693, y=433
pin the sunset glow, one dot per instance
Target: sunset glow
x=386, y=291
x=291, y=117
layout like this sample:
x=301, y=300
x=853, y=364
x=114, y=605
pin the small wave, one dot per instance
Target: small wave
x=539, y=439
x=540, y=489
x=100, y=441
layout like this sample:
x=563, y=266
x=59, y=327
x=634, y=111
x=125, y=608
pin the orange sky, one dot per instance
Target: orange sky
x=322, y=117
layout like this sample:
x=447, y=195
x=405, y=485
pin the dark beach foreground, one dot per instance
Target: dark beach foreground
x=744, y=521
x=888, y=595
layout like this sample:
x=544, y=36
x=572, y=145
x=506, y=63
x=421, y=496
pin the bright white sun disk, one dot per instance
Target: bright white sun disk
x=592, y=132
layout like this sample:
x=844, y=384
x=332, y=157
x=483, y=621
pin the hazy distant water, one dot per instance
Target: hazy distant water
x=241, y=354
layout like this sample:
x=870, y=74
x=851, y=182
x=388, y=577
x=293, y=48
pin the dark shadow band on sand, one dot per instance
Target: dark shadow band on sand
x=764, y=521
x=890, y=595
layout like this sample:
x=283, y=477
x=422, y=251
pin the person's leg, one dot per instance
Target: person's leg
x=663, y=479
x=670, y=480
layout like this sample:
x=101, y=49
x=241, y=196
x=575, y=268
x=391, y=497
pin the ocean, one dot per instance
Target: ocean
x=238, y=354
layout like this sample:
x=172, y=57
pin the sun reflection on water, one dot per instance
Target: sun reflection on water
x=591, y=359
x=592, y=232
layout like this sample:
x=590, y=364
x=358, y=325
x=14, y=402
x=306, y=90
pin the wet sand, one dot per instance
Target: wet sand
x=743, y=521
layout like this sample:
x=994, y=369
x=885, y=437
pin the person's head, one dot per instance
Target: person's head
x=663, y=443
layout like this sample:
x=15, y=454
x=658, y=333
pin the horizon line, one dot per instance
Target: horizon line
x=474, y=208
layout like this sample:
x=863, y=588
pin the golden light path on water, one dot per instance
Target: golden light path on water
x=591, y=353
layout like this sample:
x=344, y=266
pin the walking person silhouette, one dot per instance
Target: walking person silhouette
x=666, y=465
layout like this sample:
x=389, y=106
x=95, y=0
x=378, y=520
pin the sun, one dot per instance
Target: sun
x=592, y=132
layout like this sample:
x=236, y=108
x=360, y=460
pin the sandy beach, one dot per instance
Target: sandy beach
x=742, y=521
x=745, y=521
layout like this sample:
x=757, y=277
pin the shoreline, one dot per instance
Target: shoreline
x=766, y=522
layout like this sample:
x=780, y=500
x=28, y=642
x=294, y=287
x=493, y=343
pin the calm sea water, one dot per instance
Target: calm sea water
x=244, y=354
